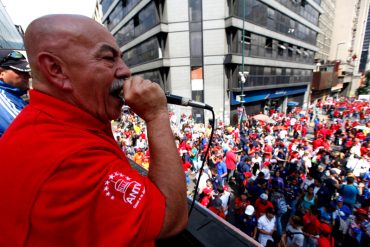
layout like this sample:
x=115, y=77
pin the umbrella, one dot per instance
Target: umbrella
x=262, y=117
x=361, y=127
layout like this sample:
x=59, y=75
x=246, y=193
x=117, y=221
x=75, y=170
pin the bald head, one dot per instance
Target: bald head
x=76, y=60
x=60, y=35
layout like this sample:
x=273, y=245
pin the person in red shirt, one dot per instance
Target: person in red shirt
x=231, y=159
x=304, y=130
x=311, y=226
x=318, y=142
x=360, y=135
x=72, y=185
x=325, y=239
x=262, y=203
x=206, y=196
x=216, y=207
x=267, y=150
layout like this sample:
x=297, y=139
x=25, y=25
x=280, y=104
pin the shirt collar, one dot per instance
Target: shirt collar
x=14, y=90
x=67, y=113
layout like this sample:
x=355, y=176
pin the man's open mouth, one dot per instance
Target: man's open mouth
x=117, y=88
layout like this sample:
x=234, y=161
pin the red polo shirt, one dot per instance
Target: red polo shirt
x=65, y=182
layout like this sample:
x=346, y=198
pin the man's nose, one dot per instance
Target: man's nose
x=123, y=70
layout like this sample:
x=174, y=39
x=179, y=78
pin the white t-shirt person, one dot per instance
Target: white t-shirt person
x=268, y=225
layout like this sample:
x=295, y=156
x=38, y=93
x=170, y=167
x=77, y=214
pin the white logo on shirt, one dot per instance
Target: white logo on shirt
x=117, y=183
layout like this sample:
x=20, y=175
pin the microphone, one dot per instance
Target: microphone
x=178, y=100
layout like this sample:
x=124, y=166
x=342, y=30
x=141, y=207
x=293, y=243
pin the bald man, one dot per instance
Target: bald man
x=64, y=181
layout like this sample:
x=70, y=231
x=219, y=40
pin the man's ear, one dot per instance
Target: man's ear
x=53, y=69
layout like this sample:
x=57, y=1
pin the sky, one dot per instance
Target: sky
x=22, y=12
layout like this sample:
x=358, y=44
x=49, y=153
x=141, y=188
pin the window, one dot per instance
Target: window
x=281, y=49
x=196, y=44
x=290, y=51
x=268, y=43
x=247, y=37
x=136, y=20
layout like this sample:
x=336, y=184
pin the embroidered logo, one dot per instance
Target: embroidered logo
x=118, y=184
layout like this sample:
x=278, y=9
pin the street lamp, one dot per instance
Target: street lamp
x=336, y=53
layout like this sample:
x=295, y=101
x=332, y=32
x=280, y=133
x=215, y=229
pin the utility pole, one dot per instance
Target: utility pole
x=242, y=73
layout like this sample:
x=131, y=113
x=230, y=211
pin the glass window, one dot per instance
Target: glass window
x=145, y=52
x=105, y=5
x=260, y=14
x=196, y=44
x=195, y=10
x=142, y=22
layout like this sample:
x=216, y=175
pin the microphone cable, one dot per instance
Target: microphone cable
x=206, y=158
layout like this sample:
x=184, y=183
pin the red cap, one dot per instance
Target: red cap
x=361, y=211
x=247, y=174
x=325, y=228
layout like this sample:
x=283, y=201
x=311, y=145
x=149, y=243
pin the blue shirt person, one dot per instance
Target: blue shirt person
x=14, y=79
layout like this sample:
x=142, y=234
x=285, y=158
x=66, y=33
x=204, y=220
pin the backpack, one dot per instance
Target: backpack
x=281, y=205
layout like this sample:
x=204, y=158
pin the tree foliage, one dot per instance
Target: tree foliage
x=365, y=88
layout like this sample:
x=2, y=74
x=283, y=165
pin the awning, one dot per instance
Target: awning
x=293, y=103
x=259, y=95
x=337, y=88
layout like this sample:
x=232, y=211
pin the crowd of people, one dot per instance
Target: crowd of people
x=297, y=179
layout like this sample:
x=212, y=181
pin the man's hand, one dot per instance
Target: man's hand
x=145, y=98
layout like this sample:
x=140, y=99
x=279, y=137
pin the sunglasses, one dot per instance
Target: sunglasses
x=13, y=55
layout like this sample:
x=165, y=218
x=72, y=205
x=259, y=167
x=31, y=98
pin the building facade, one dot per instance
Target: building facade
x=364, y=60
x=195, y=48
x=10, y=37
x=324, y=37
x=348, y=42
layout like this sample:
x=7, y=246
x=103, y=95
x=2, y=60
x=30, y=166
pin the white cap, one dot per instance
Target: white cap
x=249, y=210
x=264, y=196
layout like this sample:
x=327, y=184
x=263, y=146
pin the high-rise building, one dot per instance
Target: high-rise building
x=326, y=23
x=364, y=60
x=10, y=38
x=195, y=48
x=349, y=42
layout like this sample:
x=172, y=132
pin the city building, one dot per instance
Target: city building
x=349, y=42
x=364, y=61
x=324, y=81
x=326, y=23
x=10, y=37
x=98, y=12
x=195, y=49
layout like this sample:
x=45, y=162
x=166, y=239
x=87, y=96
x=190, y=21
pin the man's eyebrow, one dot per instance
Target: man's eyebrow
x=105, y=48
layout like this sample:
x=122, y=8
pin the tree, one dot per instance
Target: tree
x=365, y=88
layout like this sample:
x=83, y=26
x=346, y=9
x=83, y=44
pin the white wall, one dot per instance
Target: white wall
x=178, y=45
x=176, y=11
x=214, y=88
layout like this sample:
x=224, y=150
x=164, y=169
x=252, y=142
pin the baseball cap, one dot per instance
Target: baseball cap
x=361, y=211
x=264, y=196
x=15, y=60
x=325, y=228
x=249, y=210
